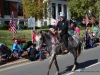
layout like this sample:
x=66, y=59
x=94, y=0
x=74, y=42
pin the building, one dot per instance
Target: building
x=54, y=9
x=6, y=9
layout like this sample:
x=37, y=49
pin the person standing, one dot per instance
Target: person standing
x=95, y=29
x=87, y=37
x=77, y=30
x=34, y=37
x=63, y=30
x=18, y=25
x=98, y=31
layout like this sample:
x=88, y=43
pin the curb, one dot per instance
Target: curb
x=14, y=63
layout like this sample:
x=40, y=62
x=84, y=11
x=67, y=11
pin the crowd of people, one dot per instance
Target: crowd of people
x=31, y=51
x=89, y=38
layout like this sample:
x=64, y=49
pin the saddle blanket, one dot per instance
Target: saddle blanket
x=74, y=42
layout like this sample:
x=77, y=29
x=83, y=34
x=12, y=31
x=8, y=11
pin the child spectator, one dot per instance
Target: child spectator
x=16, y=48
x=77, y=30
x=40, y=55
x=71, y=29
x=45, y=51
x=34, y=37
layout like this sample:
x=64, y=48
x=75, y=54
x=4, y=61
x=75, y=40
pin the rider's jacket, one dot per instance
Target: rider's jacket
x=63, y=25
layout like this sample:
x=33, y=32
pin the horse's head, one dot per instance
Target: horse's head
x=43, y=37
x=39, y=40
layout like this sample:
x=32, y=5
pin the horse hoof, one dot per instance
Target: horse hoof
x=47, y=73
x=57, y=73
x=73, y=69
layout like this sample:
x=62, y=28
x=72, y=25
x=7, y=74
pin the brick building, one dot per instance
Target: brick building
x=6, y=9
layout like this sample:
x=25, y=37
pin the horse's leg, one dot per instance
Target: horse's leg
x=57, y=67
x=51, y=61
x=75, y=59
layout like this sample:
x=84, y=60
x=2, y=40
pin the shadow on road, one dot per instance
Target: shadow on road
x=80, y=66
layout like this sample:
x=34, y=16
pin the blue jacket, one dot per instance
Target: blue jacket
x=16, y=47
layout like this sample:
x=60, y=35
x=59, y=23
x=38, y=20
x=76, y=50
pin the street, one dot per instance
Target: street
x=89, y=64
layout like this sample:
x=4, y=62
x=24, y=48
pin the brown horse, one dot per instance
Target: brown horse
x=74, y=45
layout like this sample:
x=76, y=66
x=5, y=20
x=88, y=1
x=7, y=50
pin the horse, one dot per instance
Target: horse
x=75, y=49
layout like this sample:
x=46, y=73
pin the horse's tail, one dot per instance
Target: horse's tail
x=79, y=50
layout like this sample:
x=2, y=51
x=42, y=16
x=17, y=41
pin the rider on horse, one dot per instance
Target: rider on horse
x=63, y=30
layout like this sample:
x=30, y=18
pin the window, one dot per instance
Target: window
x=45, y=12
x=6, y=8
x=19, y=9
x=59, y=9
x=6, y=22
x=53, y=12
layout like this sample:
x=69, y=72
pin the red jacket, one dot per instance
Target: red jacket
x=34, y=37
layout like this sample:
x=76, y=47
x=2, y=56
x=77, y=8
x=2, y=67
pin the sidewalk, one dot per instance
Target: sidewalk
x=6, y=64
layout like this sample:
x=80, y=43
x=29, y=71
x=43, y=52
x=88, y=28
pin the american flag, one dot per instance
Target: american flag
x=57, y=20
x=12, y=24
x=87, y=20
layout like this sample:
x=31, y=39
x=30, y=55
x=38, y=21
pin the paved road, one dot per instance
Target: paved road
x=89, y=64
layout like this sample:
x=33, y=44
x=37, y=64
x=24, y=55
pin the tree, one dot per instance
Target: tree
x=79, y=8
x=34, y=8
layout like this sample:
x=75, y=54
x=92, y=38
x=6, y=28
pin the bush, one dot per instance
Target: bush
x=4, y=27
x=43, y=27
x=23, y=27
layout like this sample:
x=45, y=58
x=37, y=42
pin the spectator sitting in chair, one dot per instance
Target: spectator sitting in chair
x=16, y=48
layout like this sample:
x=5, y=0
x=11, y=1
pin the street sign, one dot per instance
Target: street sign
x=31, y=22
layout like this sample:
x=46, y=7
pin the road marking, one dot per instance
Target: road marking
x=81, y=69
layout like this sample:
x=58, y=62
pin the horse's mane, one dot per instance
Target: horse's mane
x=45, y=35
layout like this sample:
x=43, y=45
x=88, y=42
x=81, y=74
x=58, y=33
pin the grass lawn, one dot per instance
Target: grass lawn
x=7, y=36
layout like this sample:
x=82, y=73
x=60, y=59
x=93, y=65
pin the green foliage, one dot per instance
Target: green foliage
x=79, y=8
x=6, y=27
x=24, y=27
x=34, y=8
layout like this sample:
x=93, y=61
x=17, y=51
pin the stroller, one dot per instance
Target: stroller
x=5, y=52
